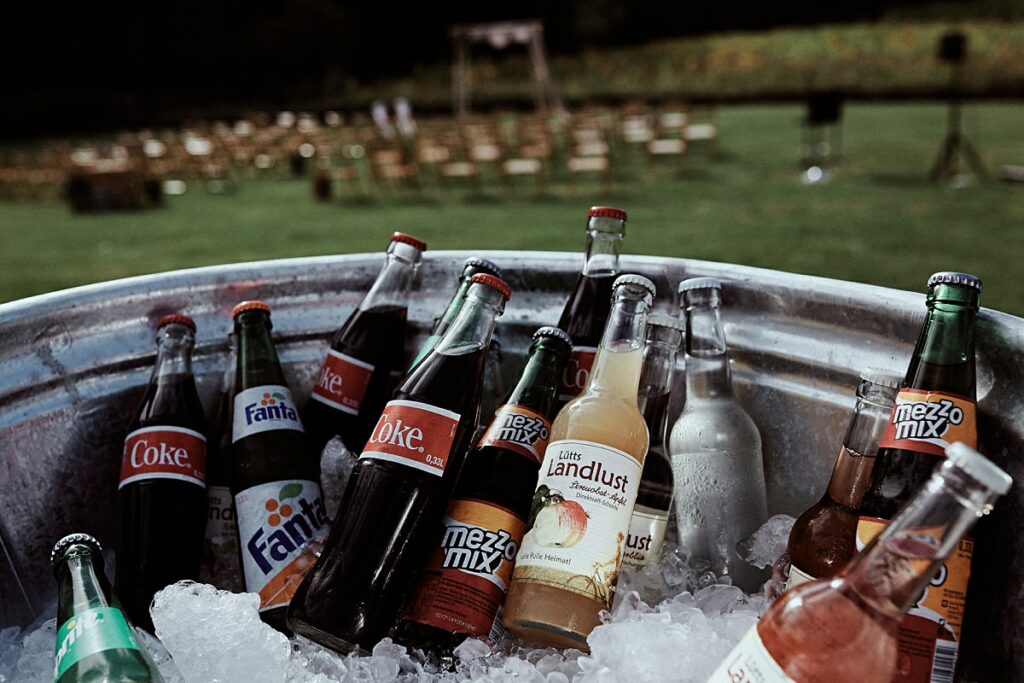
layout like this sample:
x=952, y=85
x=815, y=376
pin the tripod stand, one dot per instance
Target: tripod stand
x=956, y=144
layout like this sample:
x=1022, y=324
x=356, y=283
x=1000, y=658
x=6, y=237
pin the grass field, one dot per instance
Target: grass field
x=879, y=221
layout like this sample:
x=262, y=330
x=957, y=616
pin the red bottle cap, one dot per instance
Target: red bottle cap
x=494, y=283
x=408, y=239
x=249, y=306
x=606, y=212
x=177, y=319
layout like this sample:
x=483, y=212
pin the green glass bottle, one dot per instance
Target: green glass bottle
x=95, y=641
x=934, y=408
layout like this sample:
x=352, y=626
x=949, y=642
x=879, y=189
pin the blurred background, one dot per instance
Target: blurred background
x=875, y=141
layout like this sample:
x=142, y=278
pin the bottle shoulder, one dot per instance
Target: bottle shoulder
x=608, y=420
x=713, y=425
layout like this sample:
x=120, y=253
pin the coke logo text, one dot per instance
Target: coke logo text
x=144, y=455
x=925, y=420
x=477, y=550
x=395, y=434
x=329, y=381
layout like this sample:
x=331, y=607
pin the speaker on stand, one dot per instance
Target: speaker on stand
x=952, y=50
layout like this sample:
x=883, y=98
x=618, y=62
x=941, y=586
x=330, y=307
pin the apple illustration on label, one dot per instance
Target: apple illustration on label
x=559, y=523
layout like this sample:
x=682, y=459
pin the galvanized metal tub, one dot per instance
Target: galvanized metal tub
x=73, y=364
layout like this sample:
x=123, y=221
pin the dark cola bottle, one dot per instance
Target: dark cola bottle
x=282, y=520
x=391, y=515
x=471, y=267
x=355, y=380
x=162, y=490
x=586, y=312
x=462, y=589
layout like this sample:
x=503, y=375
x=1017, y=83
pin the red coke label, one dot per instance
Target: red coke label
x=577, y=372
x=164, y=453
x=414, y=434
x=342, y=382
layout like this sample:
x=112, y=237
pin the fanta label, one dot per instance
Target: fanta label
x=520, y=430
x=929, y=421
x=467, y=577
x=342, y=382
x=577, y=372
x=414, y=434
x=264, y=409
x=282, y=526
x=164, y=453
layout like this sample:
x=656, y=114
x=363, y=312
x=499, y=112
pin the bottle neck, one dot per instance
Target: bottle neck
x=474, y=326
x=656, y=388
x=604, y=242
x=454, y=306
x=258, y=363
x=947, y=339
x=707, y=360
x=852, y=473
x=538, y=385
x=890, y=574
x=619, y=359
x=391, y=288
x=79, y=587
x=173, y=352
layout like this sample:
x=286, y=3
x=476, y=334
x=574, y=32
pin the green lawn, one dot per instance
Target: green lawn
x=879, y=221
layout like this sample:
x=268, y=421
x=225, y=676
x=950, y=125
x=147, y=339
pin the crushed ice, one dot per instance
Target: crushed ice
x=215, y=635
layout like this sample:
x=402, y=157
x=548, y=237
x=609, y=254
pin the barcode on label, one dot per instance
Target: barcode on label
x=497, y=628
x=944, y=661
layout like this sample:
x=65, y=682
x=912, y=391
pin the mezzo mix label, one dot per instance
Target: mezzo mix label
x=929, y=421
x=520, y=430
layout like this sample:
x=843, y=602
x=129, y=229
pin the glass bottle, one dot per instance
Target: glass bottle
x=584, y=315
x=570, y=558
x=355, y=380
x=392, y=513
x=95, y=642
x=822, y=540
x=715, y=446
x=844, y=629
x=461, y=591
x=654, y=499
x=282, y=520
x=934, y=408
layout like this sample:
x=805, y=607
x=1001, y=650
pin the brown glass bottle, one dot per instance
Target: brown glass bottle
x=461, y=590
x=934, y=408
x=822, y=540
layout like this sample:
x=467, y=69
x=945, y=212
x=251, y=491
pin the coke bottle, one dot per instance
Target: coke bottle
x=281, y=516
x=354, y=381
x=934, y=408
x=461, y=591
x=716, y=448
x=844, y=629
x=654, y=499
x=471, y=267
x=95, y=642
x=568, y=565
x=162, y=491
x=585, y=313
x=391, y=514
x=822, y=539
x=220, y=552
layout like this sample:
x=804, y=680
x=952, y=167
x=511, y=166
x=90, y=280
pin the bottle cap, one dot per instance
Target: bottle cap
x=639, y=280
x=882, y=378
x=949, y=277
x=669, y=321
x=175, y=319
x=978, y=466
x=606, y=212
x=405, y=238
x=482, y=264
x=699, y=283
x=551, y=332
x=494, y=283
x=73, y=539
x=249, y=306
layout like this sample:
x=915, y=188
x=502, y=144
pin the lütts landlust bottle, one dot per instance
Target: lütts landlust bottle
x=391, y=515
x=720, y=494
x=844, y=629
x=569, y=562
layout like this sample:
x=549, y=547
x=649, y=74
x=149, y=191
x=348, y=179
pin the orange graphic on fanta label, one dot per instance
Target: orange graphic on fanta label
x=930, y=632
x=929, y=421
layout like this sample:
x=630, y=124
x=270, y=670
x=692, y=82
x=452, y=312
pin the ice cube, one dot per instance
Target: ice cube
x=336, y=463
x=764, y=546
x=472, y=648
x=217, y=635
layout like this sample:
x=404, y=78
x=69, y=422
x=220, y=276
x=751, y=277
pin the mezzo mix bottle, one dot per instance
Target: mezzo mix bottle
x=462, y=588
x=934, y=408
x=282, y=521
x=569, y=562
